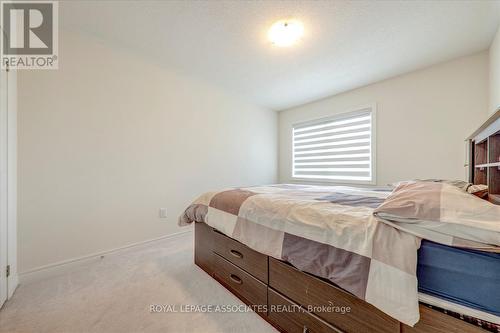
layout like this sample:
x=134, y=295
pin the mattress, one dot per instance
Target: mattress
x=463, y=312
x=466, y=277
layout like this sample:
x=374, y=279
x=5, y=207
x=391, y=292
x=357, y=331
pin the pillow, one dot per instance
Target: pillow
x=444, y=209
x=478, y=190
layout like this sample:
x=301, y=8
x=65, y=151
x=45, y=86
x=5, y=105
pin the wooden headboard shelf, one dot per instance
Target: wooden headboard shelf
x=484, y=156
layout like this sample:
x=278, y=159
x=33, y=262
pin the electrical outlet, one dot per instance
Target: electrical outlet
x=163, y=213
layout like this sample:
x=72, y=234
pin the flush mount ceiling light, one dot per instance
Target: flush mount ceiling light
x=285, y=32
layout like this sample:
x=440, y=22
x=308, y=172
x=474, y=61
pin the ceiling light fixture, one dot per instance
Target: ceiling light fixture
x=285, y=32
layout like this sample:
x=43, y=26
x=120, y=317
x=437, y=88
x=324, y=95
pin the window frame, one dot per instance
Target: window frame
x=337, y=116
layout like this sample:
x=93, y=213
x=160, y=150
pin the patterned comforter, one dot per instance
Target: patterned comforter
x=326, y=231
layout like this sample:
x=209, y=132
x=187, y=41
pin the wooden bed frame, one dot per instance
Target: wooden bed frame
x=295, y=301
x=484, y=157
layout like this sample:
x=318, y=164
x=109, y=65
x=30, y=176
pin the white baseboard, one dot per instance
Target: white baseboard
x=60, y=267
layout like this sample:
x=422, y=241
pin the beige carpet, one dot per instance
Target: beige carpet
x=115, y=294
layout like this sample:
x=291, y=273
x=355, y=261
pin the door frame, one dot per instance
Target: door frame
x=8, y=185
x=12, y=279
x=3, y=185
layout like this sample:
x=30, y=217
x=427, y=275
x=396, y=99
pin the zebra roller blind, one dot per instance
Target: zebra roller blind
x=337, y=148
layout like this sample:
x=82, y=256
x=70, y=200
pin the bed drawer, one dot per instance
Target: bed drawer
x=242, y=283
x=203, y=248
x=241, y=255
x=310, y=291
x=433, y=321
x=294, y=319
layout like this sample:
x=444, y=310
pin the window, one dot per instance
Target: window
x=339, y=148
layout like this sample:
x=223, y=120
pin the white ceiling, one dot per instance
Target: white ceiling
x=347, y=44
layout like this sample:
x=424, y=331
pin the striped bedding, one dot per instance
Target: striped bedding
x=326, y=231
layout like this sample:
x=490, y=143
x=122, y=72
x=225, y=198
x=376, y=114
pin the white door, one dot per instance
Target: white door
x=12, y=278
x=3, y=184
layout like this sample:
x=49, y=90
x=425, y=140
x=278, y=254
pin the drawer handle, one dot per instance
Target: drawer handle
x=305, y=330
x=236, y=279
x=236, y=254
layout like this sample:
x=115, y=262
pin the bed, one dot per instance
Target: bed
x=342, y=259
x=320, y=249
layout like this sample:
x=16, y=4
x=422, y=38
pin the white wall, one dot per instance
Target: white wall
x=423, y=119
x=109, y=138
x=495, y=73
